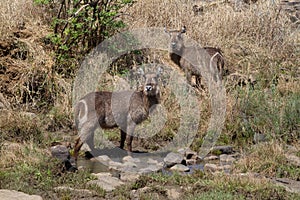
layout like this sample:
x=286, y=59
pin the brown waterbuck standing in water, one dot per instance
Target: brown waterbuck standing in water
x=123, y=109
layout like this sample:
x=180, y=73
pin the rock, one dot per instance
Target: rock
x=130, y=164
x=135, y=194
x=60, y=151
x=12, y=194
x=106, y=181
x=191, y=162
x=83, y=192
x=226, y=158
x=172, y=159
x=258, y=138
x=131, y=159
x=128, y=176
x=182, y=151
x=215, y=168
x=223, y=149
x=288, y=184
x=189, y=154
x=211, y=158
x=210, y=167
x=150, y=169
x=152, y=161
x=180, y=168
x=295, y=160
x=115, y=165
x=173, y=193
x=130, y=169
x=103, y=159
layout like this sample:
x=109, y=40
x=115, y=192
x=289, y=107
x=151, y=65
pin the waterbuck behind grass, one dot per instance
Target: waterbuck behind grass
x=123, y=109
x=187, y=58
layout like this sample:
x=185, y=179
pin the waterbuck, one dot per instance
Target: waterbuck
x=190, y=59
x=123, y=109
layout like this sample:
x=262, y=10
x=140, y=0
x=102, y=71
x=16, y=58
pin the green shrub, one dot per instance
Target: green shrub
x=80, y=26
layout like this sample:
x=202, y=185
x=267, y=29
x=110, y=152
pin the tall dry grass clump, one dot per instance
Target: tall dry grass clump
x=259, y=35
x=262, y=51
x=28, y=81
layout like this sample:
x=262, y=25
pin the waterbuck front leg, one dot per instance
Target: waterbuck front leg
x=129, y=136
x=123, y=138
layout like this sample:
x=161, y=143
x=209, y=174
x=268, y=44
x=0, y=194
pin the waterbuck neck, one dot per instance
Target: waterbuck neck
x=149, y=101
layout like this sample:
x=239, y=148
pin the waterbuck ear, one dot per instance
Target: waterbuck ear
x=160, y=70
x=183, y=29
x=141, y=72
x=166, y=31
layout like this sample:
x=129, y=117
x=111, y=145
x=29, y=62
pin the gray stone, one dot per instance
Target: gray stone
x=295, y=160
x=106, y=181
x=189, y=154
x=150, y=169
x=83, y=192
x=211, y=167
x=152, y=161
x=182, y=151
x=215, y=168
x=12, y=194
x=288, y=184
x=130, y=164
x=135, y=194
x=211, y=158
x=103, y=159
x=131, y=159
x=223, y=149
x=128, y=176
x=60, y=151
x=191, y=161
x=172, y=159
x=226, y=158
x=258, y=138
x=180, y=168
x=115, y=165
x=173, y=193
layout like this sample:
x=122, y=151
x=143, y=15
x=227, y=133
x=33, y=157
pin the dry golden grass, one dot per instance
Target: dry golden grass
x=256, y=38
x=259, y=43
x=19, y=153
x=27, y=78
x=268, y=159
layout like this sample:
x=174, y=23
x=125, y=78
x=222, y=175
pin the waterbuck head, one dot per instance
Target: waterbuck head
x=150, y=80
x=176, y=40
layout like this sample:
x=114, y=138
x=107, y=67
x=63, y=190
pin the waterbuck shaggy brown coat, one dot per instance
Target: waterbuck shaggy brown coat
x=123, y=109
x=190, y=59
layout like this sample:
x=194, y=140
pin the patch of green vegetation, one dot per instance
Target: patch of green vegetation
x=287, y=170
x=266, y=111
x=220, y=195
x=205, y=186
x=42, y=177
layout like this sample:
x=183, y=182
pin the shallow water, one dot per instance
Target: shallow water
x=117, y=154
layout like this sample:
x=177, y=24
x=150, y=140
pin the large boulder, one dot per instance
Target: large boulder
x=12, y=194
x=173, y=158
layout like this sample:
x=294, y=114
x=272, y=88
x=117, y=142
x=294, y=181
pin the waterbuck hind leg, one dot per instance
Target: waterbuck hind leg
x=90, y=141
x=129, y=142
x=86, y=134
x=129, y=137
x=77, y=146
